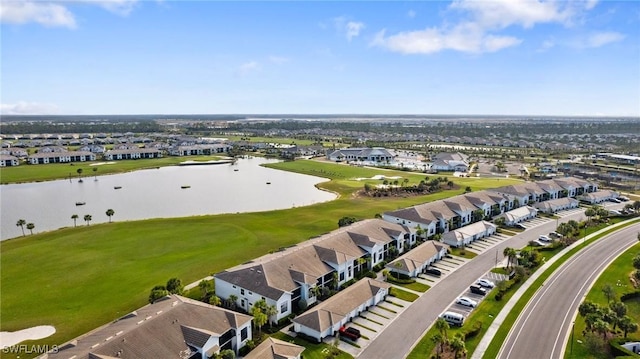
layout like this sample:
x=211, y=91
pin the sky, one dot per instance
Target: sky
x=502, y=57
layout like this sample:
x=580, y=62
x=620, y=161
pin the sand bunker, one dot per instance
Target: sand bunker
x=8, y=339
x=378, y=177
x=101, y=163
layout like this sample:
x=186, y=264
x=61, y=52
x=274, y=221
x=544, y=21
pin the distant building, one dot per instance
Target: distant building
x=8, y=161
x=376, y=154
x=195, y=150
x=450, y=162
x=132, y=154
x=272, y=348
x=418, y=259
x=60, y=157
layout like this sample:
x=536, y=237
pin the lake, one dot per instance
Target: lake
x=157, y=193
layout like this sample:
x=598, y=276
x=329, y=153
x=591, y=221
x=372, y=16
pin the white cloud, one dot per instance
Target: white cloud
x=353, y=29
x=43, y=13
x=466, y=37
x=28, y=108
x=119, y=7
x=411, y=14
x=526, y=13
x=247, y=68
x=481, y=25
x=349, y=29
x=603, y=38
x=56, y=13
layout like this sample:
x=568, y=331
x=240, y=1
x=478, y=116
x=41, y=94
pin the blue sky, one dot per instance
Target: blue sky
x=507, y=57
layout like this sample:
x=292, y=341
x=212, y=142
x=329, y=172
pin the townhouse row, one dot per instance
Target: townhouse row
x=293, y=278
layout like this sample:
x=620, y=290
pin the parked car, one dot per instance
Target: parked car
x=544, y=239
x=433, y=272
x=350, y=333
x=467, y=302
x=476, y=289
x=518, y=225
x=453, y=318
x=486, y=283
x=614, y=200
x=623, y=199
x=555, y=235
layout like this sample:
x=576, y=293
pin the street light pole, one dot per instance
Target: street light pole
x=496, y=259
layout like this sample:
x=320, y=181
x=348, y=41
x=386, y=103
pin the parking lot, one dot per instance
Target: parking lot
x=371, y=323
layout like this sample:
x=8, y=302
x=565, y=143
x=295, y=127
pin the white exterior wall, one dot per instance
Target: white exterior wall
x=429, y=228
x=225, y=289
x=237, y=340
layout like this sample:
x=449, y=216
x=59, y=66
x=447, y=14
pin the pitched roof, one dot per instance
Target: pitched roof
x=272, y=348
x=274, y=274
x=158, y=330
x=418, y=256
x=332, y=310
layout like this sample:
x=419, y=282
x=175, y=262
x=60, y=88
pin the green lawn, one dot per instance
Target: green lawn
x=418, y=287
x=460, y=252
x=77, y=279
x=313, y=350
x=52, y=171
x=402, y=294
x=618, y=272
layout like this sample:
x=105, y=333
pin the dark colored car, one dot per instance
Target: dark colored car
x=433, y=271
x=350, y=333
x=476, y=289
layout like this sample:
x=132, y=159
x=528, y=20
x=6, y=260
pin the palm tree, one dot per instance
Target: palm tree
x=74, y=217
x=440, y=342
x=506, y=253
x=21, y=223
x=442, y=326
x=214, y=300
x=233, y=299
x=30, y=227
x=79, y=170
x=398, y=265
x=450, y=184
x=87, y=218
x=590, y=212
x=110, y=213
x=457, y=344
x=271, y=311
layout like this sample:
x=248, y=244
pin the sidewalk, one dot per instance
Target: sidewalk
x=495, y=325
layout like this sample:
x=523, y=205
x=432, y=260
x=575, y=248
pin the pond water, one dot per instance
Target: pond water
x=156, y=193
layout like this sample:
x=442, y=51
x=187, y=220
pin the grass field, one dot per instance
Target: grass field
x=79, y=278
x=313, y=350
x=53, y=171
x=618, y=272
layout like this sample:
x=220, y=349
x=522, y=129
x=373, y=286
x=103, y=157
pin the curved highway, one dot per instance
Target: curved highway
x=542, y=329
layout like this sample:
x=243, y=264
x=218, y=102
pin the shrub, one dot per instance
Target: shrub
x=630, y=295
x=475, y=330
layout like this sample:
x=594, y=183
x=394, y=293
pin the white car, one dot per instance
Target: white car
x=544, y=238
x=466, y=302
x=486, y=283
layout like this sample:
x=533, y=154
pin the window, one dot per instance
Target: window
x=250, y=293
x=284, y=307
x=341, y=276
x=242, y=291
x=243, y=333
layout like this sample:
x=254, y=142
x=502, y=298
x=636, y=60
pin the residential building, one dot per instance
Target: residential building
x=518, y=215
x=272, y=348
x=294, y=276
x=450, y=162
x=209, y=149
x=132, y=154
x=60, y=157
x=466, y=235
x=326, y=318
x=599, y=196
x=418, y=259
x=558, y=204
x=172, y=327
x=376, y=154
x=8, y=161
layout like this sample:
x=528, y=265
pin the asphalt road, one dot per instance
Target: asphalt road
x=542, y=329
x=397, y=340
